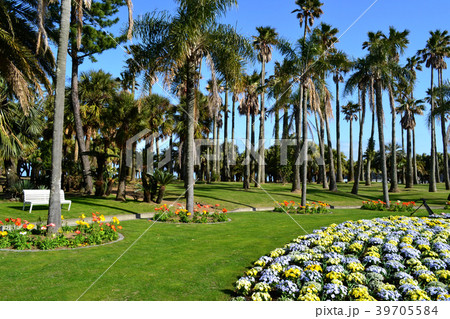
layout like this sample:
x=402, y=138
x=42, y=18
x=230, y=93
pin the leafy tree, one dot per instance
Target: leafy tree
x=178, y=43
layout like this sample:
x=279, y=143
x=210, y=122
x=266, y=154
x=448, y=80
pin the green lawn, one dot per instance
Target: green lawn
x=176, y=262
x=230, y=196
x=169, y=262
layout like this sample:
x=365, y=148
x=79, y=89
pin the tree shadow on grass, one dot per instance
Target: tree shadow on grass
x=96, y=203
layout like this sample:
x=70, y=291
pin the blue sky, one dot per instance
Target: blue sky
x=343, y=14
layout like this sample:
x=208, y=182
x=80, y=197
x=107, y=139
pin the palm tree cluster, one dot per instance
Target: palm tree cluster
x=76, y=137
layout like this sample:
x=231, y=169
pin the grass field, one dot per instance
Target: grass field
x=176, y=262
x=230, y=196
x=169, y=262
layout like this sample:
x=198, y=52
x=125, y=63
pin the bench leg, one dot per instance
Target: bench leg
x=23, y=207
x=31, y=207
x=69, y=206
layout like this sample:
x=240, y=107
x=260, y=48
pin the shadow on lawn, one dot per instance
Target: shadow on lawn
x=85, y=201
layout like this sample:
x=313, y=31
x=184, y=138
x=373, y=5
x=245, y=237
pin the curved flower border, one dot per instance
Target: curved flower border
x=386, y=259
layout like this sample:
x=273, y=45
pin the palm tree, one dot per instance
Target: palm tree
x=263, y=44
x=54, y=210
x=19, y=133
x=339, y=64
x=350, y=110
x=436, y=49
x=380, y=67
x=162, y=178
x=306, y=13
x=248, y=106
x=181, y=42
x=409, y=107
x=413, y=64
x=361, y=80
x=25, y=64
x=326, y=36
x=395, y=45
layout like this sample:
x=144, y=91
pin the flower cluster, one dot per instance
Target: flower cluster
x=292, y=207
x=387, y=259
x=397, y=206
x=202, y=214
x=21, y=235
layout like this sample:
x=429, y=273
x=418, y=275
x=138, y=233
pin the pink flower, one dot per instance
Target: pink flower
x=51, y=225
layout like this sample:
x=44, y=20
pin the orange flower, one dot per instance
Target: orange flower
x=224, y=210
x=217, y=205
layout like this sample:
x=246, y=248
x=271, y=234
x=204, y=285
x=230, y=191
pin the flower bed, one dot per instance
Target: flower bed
x=202, y=214
x=398, y=206
x=395, y=258
x=22, y=235
x=292, y=207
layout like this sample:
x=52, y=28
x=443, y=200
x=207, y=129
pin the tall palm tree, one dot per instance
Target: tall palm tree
x=413, y=64
x=361, y=80
x=326, y=37
x=307, y=11
x=351, y=114
x=54, y=210
x=381, y=68
x=263, y=42
x=433, y=55
x=409, y=107
x=340, y=65
x=181, y=42
x=395, y=45
x=248, y=106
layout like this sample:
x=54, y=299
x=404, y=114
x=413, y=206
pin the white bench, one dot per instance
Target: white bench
x=40, y=197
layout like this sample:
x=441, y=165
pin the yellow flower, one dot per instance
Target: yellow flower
x=83, y=216
x=102, y=218
x=30, y=226
x=62, y=217
x=115, y=220
x=3, y=233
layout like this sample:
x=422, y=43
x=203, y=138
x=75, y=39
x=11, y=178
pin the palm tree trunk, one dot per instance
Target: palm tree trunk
x=372, y=132
x=262, y=119
x=247, y=160
x=252, y=160
x=394, y=176
x=339, y=177
x=285, y=133
x=232, y=133
x=350, y=171
x=379, y=107
x=322, y=153
x=214, y=166
x=409, y=165
x=298, y=109
x=277, y=145
x=333, y=185
x=208, y=166
x=432, y=186
x=121, y=188
x=226, y=164
x=54, y=210
x=190, y=126
x=320, y=175
x=416, y=179
x=444, y=139
x=304, y=148
x=79, y=125
x=359, y=165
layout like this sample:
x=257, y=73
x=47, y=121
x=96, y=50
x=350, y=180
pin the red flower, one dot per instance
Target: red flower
x=224, y=210
x=77, y=232
x=217, y=205
x=7, y=220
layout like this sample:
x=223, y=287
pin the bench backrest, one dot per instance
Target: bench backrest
x=38, y=195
